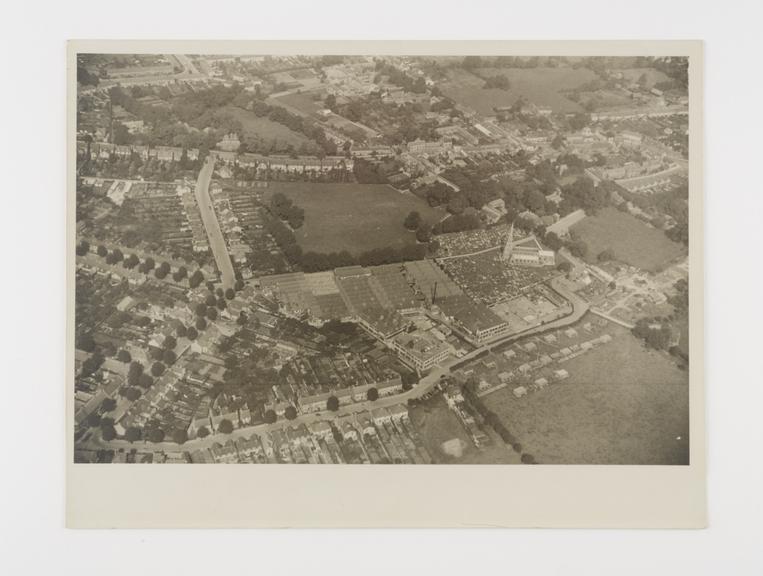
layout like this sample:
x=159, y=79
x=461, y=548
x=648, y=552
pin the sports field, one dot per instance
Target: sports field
x=541, y=86
x=353, y=217
x=622, y=404
x=633, y=242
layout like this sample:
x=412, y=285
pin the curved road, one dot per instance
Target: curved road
x=212, y=226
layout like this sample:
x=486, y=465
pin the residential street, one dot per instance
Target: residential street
x=212, y=226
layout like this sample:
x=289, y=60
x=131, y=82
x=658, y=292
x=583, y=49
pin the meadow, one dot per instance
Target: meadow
x=353, y=217
x=541, y=86
x=266, y=130
x=633, y=242
x=622, y=404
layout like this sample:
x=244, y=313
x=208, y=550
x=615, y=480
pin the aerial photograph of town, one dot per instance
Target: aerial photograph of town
x=328, y=259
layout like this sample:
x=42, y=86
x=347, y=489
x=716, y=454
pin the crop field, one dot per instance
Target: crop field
x=633, y=242
x=266, y=130
x=353, y=217
x=438, y=427
x=622, y=404
x=542, y=86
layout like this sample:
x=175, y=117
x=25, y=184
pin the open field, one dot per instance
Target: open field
x=437, y=424
x=301, y=102
x=652, y=75
x=353, y=217
x=266, y=130
x=633, y=241
x=542, y=86
x=622, y=404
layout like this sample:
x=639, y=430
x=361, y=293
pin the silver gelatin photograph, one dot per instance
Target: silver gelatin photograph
x=381, y=259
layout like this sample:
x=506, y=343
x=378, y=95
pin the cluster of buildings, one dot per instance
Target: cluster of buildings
x=105, y=150
x=284, y=163
x=378, y=436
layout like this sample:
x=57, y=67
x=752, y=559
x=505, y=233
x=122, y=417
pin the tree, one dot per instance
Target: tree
x=145, y=381
x=372, y=395
x=180, y=274
x=191, y=333
x=169, y=357
x=134, y=372
x=225, y=426
x=102, y=251
x=162, y=271
x=606, y=255
x=180, y=436
x=169, y=343
x=230, y=293
x=157, y=369
x=202, y=432
x=212, y=313
x=332, y=403
x=412, y=221
x=132, y=393
x=239, y=284
x=83, y=248
x=270, y=416
x=93, y=420
x=108, y=432
x=290, y=413
x=210, y=300
x=181, y=331
x=424, y=233
x=131, y=262
x=201, y=324
x=565, y=267
x=528, y=459
x=133, y=434
x=86, y=342
x=156, y=435
x=108, y=405
x=222, y=304
x=196, y=278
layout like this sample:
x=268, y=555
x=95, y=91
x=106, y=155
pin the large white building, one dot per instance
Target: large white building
x=528, y=252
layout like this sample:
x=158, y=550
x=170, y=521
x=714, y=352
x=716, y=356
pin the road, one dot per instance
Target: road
x=212, y=226
x=425, y=385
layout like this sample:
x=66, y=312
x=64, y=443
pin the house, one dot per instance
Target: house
x=398, y=412
x=540, y=383
x=520, y=391
x=561, y=374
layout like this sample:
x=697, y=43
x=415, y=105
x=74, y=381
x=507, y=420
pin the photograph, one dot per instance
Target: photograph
x=381, y=259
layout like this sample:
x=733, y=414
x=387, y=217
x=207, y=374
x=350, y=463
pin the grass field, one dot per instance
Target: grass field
x=353, y=217
x=622, y=404
x=436, y=424
x=633, y=241
x=266, y=130
x=652, y=75
x=302, y=102
x=542, y=86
